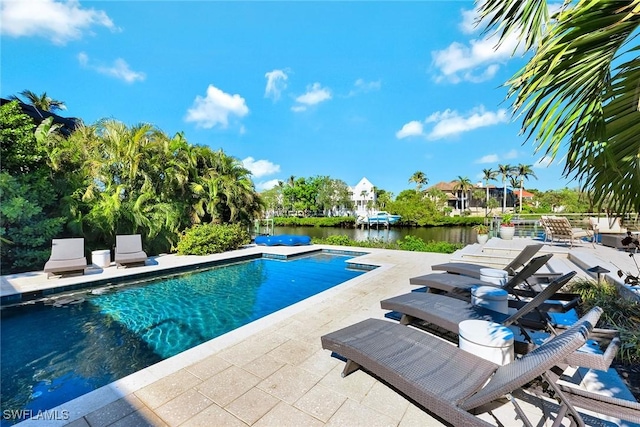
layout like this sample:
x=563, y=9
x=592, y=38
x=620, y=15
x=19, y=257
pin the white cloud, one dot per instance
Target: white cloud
x=315, y=94
x=60, y=22
x=276, y=83
x=478, y=59
x=362, y=86
x=298, y=108
x=267, y=185
x=476, y=62
x=489, y=158
x=260, y=168
x=215, y=108
x=83, y=58
x=495, y=158
x=451, y=123
x=513, y=154
x=468, y=24
x=413, y=128
x=119, y=69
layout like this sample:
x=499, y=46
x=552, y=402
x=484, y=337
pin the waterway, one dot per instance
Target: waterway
x=464, y=235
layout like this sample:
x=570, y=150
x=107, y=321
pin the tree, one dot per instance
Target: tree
x=580, y=88
x=420, y=179
x=29, y=212
x=463, y=184
x=43, y=101
x=438, y=197
x=524, y=172
x=505, y=171
x=383, y=197
x=488, y=175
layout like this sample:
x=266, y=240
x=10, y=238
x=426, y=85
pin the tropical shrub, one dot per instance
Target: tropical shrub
x=29, y=212
x=620, y=313
x=338, y=240
x=212, y=238
x=412, y=243
x=409, y=243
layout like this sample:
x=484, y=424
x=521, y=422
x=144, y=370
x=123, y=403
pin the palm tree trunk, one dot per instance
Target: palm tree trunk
x=504, y=196
x=521, y=188
x=486, y=206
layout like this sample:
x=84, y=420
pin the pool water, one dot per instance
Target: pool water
x=59, y=349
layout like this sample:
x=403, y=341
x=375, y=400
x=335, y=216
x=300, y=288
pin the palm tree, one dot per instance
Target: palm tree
x=419, y=178
x=463, y=184
x=43, y=102
x=488, y=175
x=505, y=171
x=363, y=196
x=524, y=172
x=580, y=88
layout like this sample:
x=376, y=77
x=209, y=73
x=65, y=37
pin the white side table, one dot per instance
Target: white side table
x=101, y=258
x=488, y=340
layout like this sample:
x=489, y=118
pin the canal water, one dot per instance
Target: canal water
x=464, y=235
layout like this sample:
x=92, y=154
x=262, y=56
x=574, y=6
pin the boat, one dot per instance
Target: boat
x=380, y=217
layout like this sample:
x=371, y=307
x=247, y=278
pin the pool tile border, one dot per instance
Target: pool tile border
x=34, y=295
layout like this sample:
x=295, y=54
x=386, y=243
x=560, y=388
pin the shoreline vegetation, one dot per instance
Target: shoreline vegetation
x=408, y=243
x=350, y=222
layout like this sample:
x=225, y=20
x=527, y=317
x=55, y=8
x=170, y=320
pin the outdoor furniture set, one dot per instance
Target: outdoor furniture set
x=606, y=230
x=68, y=257
x=456, y=383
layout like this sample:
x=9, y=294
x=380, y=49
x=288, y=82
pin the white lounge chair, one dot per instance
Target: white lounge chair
x=129, y=251
x=67, y=257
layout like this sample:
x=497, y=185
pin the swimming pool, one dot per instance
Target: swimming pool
x=61, y=348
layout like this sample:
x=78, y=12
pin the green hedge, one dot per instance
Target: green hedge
x=349, y=221
x=327, y=221
x=409, y=243
x=212, y=239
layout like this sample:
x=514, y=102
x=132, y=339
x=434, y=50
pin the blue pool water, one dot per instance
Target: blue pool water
x=57, y=350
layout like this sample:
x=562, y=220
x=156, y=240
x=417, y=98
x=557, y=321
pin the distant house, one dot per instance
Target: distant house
x=525, y=194
x=68, y=124
x=364, y=197
x=449, y=192
x=454, y=197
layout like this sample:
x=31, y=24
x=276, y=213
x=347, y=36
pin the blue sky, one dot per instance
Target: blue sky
x=344, y=89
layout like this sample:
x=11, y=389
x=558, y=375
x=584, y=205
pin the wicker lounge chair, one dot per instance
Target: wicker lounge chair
x=67, y=257
x=129, y=250
x=461, y=286
x=561, y=229
x=474, y=270
x=452, y=383
x=418, y=308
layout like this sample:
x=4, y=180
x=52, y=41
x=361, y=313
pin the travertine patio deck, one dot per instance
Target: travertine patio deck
x=271, y=372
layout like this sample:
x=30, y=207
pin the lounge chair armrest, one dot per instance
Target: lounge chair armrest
x=601, y=404
x=601, y=362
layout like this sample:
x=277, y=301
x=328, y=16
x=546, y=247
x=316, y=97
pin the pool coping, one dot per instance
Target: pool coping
x=12, y=295
x=109, y=393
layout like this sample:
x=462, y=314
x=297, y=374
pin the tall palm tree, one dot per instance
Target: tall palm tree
x=43, y=102
x=463, y=184
x=580, y=88
x=488, y=175
x=419, y=178
x=524, y=172
x=505, y=171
